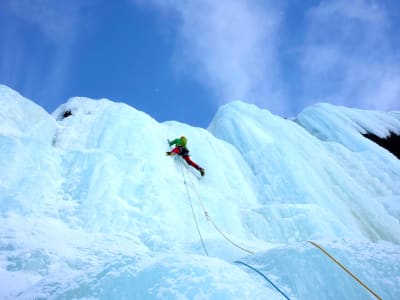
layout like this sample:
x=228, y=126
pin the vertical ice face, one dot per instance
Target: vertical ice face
x=28, y=164
x=118, y=155
x=372, y=167
x=90, y=207
x=309, y=178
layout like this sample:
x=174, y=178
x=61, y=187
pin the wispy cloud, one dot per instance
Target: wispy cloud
x=229, y=45
x=247, y=49
x=56, y=26
x=58, y=20
x=348, y=57
x=336, y=50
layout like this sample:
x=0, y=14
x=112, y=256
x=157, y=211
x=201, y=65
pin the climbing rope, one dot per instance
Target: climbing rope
x=345, y=269
x=211, y=220
x=193, y=213
x=251, y=252
x=265, y=277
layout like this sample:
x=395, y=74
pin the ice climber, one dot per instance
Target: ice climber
x=180, y=149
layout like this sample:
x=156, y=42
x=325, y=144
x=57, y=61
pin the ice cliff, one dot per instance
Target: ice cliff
x=90, y=206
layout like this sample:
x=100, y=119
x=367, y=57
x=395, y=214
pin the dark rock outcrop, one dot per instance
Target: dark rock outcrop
x=391, y=142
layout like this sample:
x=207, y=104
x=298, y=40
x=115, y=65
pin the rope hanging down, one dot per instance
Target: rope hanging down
x=213, y=223
x=194, y=215
x=345, y=269
x=251, y=252
x=265, y=277
x=217, y=228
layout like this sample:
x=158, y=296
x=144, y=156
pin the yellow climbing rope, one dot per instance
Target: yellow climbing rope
x=251, y=252
x=345, y=269
x=213, y=223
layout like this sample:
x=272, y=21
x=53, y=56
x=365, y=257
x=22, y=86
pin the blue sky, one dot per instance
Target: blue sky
x=181, y=60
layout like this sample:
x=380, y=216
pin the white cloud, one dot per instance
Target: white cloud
x=58, y=20
x=230, y=46
x=57, y=23
x=235, y=48
x=347, y=55
x=356, y=9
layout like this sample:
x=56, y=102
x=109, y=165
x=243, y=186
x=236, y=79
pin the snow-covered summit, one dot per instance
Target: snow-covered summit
x=90, y=207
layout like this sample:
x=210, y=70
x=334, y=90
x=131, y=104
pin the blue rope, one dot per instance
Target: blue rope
x=265, y=277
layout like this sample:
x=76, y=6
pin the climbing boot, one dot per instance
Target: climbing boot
x=202, y=171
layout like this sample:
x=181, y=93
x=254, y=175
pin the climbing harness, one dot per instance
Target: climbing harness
x=265, y=277
x=194, y=215
x=345, y=269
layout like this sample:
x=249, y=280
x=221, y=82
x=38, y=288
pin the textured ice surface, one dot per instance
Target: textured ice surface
x=91, y=208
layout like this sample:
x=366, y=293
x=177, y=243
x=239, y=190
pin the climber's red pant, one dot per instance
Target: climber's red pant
x=178, y=150
x=190, y=162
